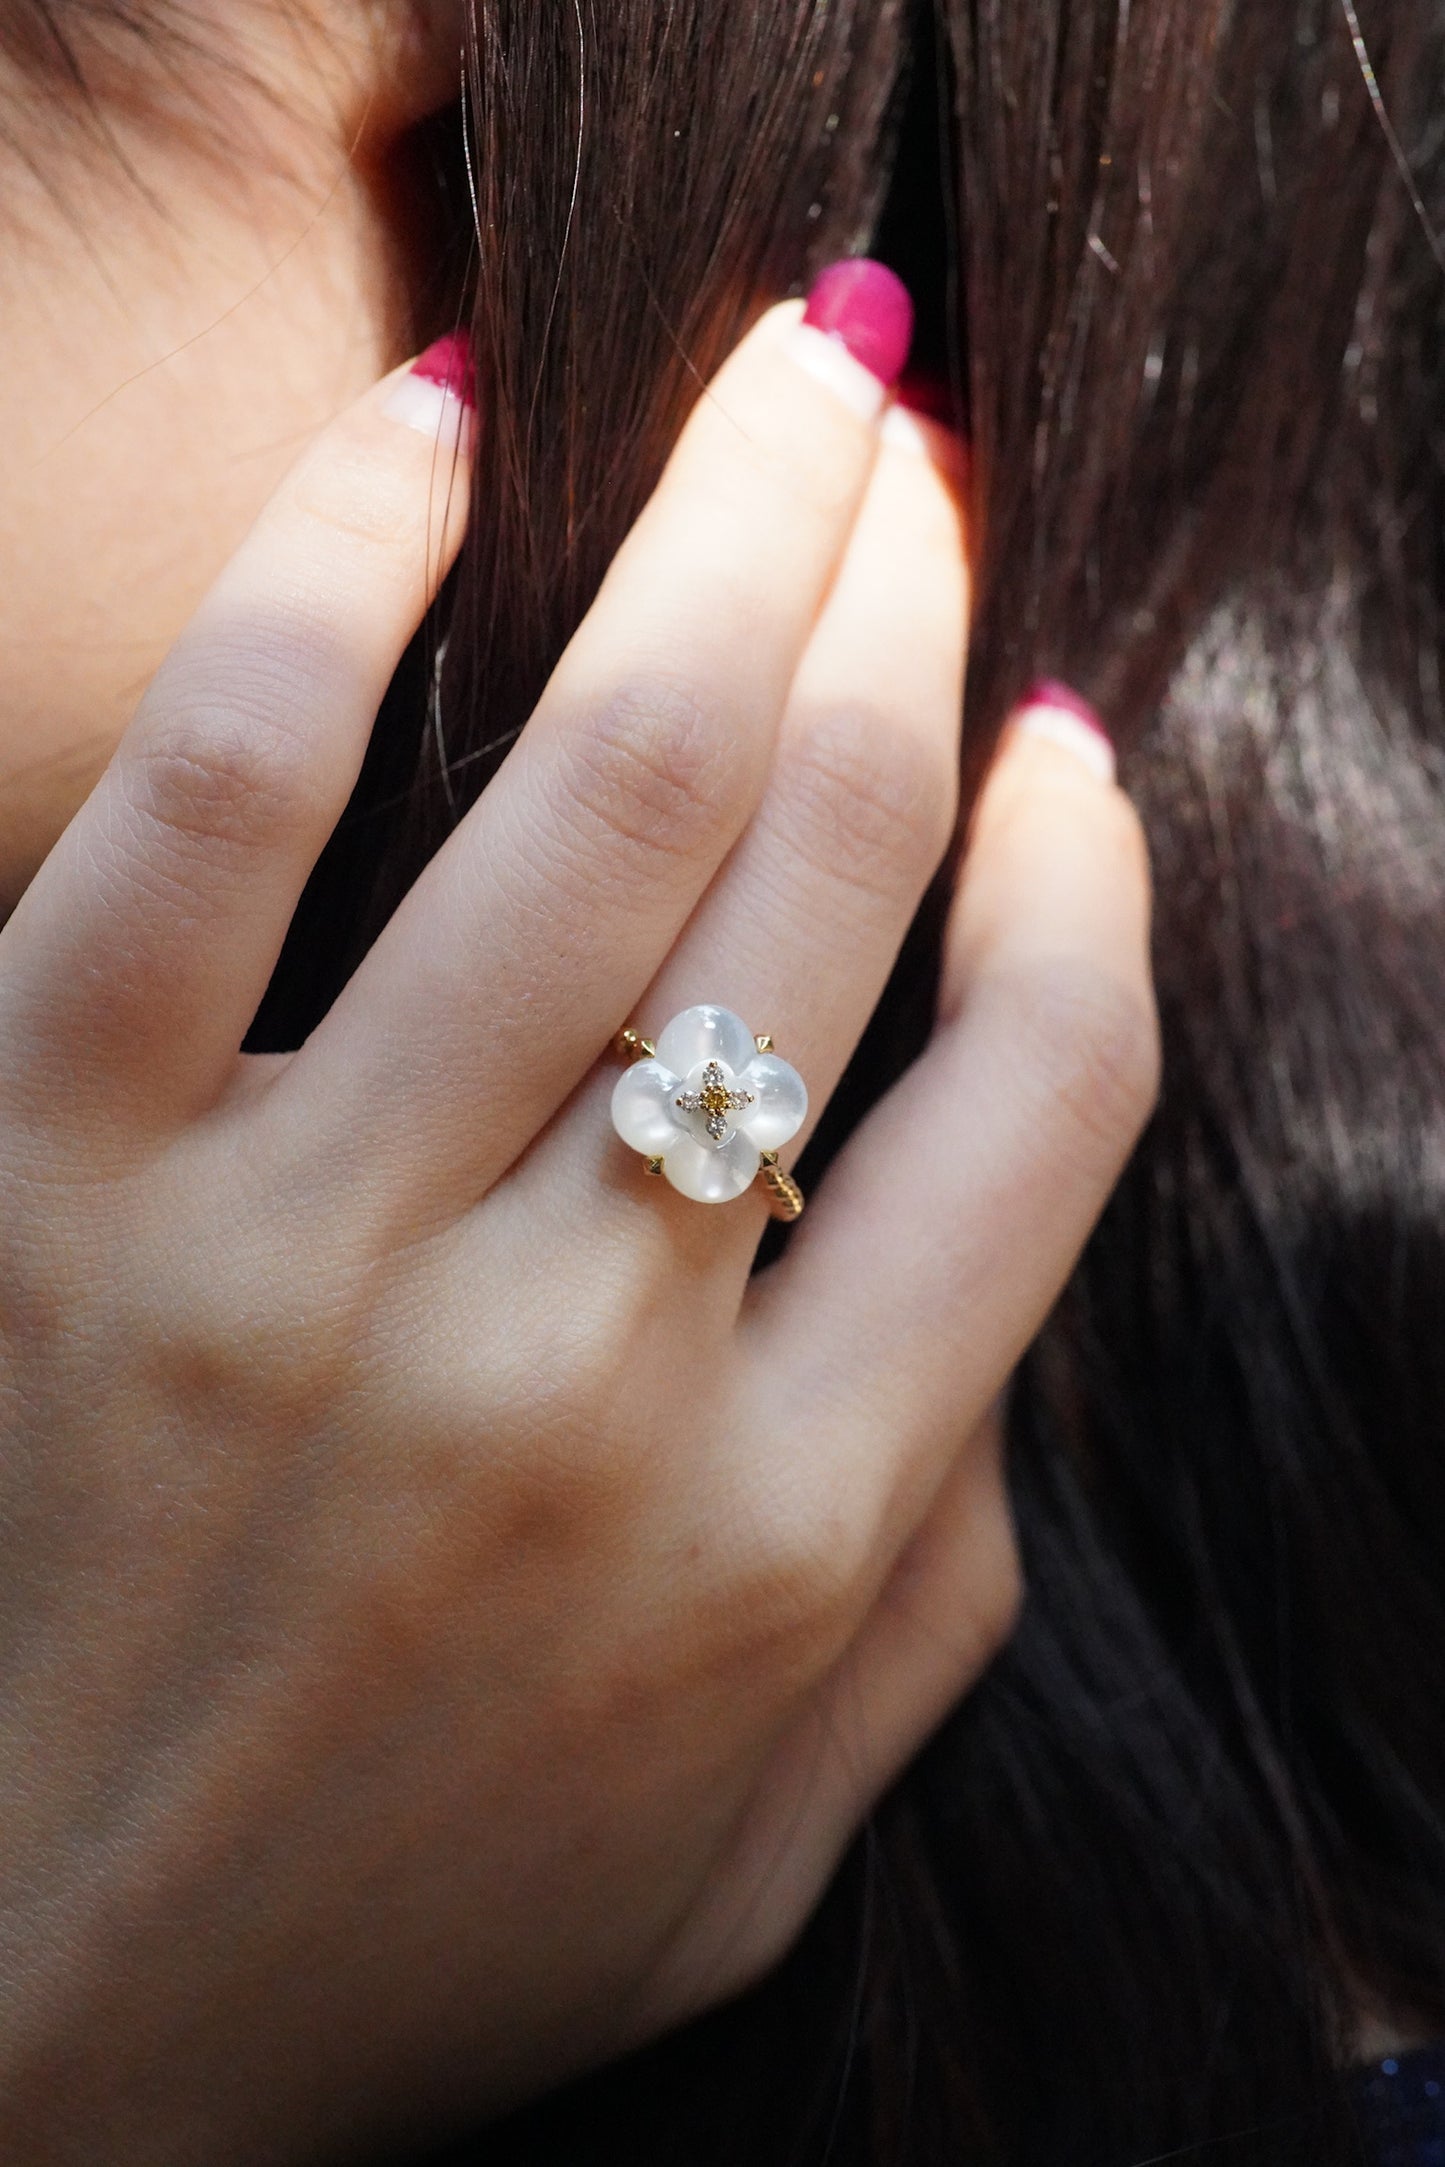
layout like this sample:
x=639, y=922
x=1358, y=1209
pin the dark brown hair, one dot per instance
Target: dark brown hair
x=1179, y=257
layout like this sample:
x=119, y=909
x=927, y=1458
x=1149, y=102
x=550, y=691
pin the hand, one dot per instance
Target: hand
x=453, y=1618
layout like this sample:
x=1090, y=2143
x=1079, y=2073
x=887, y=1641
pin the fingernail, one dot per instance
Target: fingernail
x=855, y=331
x=865, y=306
x=437, y=393
x=908, y=429
x=1055, y=712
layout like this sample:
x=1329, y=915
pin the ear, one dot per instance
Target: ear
x=417, y=51
x=380, y=65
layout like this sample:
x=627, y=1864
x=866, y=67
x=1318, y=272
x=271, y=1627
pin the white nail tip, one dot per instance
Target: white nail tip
x=428, y=407
x=1058, y=727
x=904, y=432
x=829, y=360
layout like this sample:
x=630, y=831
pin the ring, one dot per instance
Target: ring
x=708, y=1105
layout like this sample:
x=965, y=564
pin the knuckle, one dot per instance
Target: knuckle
x=1093, y=1044
x=245, y=1328
x=231, y=1352
x=233, y=770
x=36, y=1272
x=655, y=763
x=353, y=495
x=790, y=1588
x=566, y=1467
x=865, y=797
x=554, y=1496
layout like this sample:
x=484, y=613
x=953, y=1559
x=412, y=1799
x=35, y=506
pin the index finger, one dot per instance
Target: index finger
x=136, y=959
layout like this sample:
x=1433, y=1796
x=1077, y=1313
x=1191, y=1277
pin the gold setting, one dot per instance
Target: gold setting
x=715, y=1100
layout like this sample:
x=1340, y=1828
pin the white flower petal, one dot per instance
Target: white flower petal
x=710, y=1173
x=781, y=1101
x=706, y=1034
x=642, y=1110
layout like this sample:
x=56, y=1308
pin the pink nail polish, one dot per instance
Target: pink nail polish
x=865, y=306
x=448, y=363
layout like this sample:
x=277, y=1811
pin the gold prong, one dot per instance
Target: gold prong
x=648, y=1048
x=654, y=1166
x=763, y=1040
x=768, y=1158
x=629, y=1045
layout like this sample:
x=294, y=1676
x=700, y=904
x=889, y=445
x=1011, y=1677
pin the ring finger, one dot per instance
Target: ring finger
x=800, y=928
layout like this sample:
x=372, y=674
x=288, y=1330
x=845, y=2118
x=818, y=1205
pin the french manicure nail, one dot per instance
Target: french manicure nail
x=1057, y=713
x=856, y=331
x=911, y=429
x=905, y=431
x=865, y=306
x=437, y=393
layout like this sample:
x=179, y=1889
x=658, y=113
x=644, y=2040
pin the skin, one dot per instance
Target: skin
x=187, y=300
x=453, y=1616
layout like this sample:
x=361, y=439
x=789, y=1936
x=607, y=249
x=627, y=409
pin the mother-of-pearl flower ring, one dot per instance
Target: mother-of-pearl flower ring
x=708, y=1107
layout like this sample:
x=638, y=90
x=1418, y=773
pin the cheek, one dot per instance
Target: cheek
x=157, y=383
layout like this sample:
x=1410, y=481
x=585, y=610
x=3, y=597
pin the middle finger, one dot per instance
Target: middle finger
x=532, y=933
